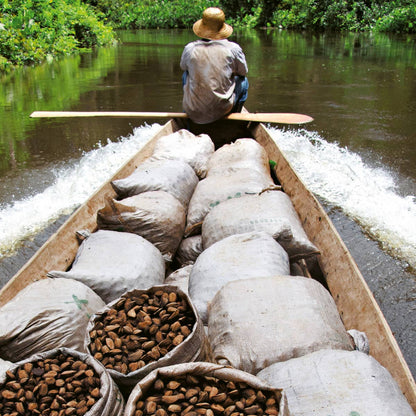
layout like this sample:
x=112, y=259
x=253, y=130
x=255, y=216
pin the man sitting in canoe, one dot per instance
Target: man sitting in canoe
x=214, y=79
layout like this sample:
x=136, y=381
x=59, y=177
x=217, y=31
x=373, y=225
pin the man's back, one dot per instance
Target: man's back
x=212, y=68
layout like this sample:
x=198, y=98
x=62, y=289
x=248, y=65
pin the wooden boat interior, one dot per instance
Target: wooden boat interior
x=334, y=267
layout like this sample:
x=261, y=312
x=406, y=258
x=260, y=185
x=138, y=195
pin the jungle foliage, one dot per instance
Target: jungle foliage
x=32, y=31
x=341, y=15
x=152, y=14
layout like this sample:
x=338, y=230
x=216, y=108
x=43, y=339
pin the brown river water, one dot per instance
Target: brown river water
x=358, y=155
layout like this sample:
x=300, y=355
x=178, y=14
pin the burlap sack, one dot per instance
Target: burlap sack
x=5, y=365
x=191, y=349
x=180, y=278
x=189, y=249
x=270, y=211
x=240, y=256
x=214, y=190
x=257, y=322
x=173, y=176
x=242, y=154
x=335, y=382
x=47, y=314
x=185, y=146
x=110, y=402
x=141, y=390
x=112, y=262
x=156, y=216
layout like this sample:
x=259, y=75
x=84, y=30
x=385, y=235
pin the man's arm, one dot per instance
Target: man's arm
x=240, y=62
x=185, y=58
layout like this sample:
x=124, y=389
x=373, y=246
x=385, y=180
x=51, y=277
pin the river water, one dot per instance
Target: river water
x=358, y=155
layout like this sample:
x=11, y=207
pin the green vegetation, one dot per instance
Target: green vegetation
x=49, y=86
x=152, y=14
x=341, y=15
x=33, y=31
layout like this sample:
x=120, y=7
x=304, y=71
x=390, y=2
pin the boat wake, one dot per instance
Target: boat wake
x=73, y=184
x=365, y=194
x=335, y=174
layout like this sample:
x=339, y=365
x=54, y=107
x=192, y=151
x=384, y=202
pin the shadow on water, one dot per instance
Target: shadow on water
x=10, y=265
x=393, y=285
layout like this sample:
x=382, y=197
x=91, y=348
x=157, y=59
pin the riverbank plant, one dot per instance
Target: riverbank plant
x=153, y=14
x=32, y=31
x=397, y=16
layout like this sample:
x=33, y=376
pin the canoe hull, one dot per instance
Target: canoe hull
x=355, y=301
x=336, y=267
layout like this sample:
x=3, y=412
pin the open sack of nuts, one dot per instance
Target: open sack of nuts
x=59, y=382
x=144, y=330
x=200, y=388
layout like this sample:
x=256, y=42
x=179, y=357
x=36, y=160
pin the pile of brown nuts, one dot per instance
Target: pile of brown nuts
x=140, y=329
x=199, y=395
x=57, y=386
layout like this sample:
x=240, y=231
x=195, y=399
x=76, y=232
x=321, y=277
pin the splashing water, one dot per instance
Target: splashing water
x=73, y=185
x=366, y=194
x=333, y=173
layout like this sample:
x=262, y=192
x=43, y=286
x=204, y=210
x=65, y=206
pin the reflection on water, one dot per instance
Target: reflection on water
x=57, y=86
x=360, y=89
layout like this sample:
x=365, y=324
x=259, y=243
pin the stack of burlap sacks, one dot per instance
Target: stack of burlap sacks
x=215, y=225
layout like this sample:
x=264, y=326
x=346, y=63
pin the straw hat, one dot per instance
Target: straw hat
x=212, y=25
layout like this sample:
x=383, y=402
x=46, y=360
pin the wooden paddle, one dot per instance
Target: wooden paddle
x=281, y=118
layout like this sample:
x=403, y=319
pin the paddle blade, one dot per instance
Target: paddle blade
x=49, y=114
x=280, y=118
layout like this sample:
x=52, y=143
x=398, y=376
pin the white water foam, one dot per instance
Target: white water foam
x=333, y=173
x=73, y=185
x=366, y=194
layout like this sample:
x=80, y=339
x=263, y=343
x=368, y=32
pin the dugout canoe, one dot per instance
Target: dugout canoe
x=334, y=267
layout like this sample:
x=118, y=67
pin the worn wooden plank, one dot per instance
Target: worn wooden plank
x=280, y=118
x=354, y=300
